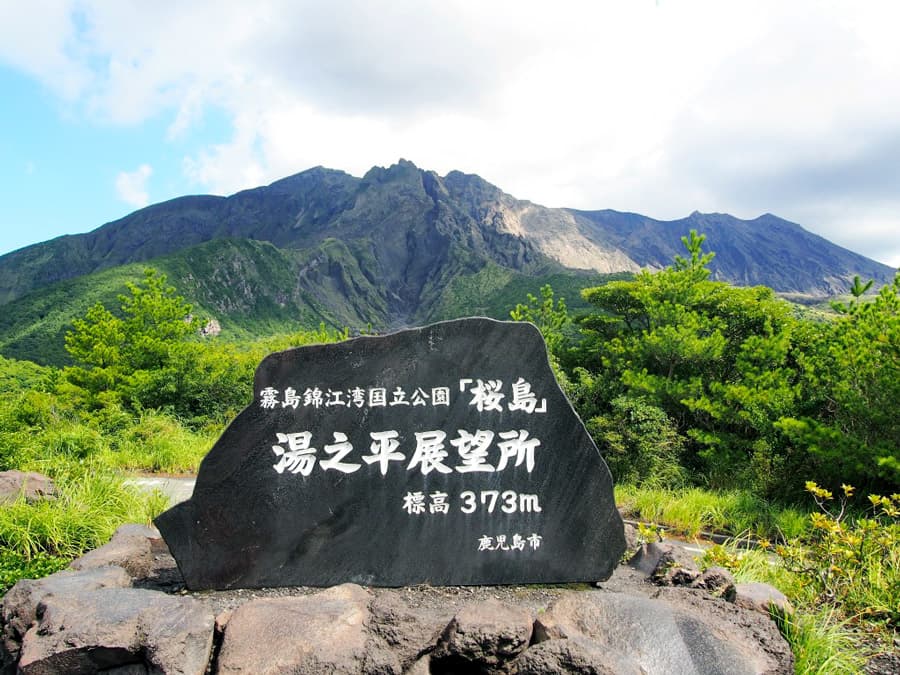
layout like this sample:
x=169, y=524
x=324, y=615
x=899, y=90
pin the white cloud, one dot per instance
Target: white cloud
x=660, y=107
x=131, y=186
x=40, y=39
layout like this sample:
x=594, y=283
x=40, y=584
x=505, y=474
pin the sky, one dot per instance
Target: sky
x=660, y=107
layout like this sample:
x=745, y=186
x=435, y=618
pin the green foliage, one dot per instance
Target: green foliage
x=649, y=533
x=147, y=395
x=853, y=564
x=141, y=355
x=686, y=380
x=822, y=643
x=91, y=503
x=257, y=349
x=17, y=376
x=715, y=359
x=150, y=357
x=696, y=266
x=750, y=560
x=15, y=566
x=641, y=443
x=857, y=291
x=551, y=318
x=851, y=380
x=158, y=442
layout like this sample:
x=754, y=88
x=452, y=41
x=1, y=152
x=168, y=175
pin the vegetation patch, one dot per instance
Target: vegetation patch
x=41, y=537
x=691, y=511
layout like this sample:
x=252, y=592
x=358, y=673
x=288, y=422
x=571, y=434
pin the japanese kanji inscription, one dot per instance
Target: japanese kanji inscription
x=442, y=455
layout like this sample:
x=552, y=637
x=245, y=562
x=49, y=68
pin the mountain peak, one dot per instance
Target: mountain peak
x=413, y=231
x=402, y=170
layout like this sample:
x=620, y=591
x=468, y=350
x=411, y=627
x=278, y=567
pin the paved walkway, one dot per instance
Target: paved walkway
x=175, y=488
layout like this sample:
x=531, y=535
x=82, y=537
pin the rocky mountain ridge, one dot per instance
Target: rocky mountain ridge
x=410, y=231
x=398, y=247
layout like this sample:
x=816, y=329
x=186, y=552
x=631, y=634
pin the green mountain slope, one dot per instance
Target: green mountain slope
x=494, y=291
x=241, y=283
x=252, y=288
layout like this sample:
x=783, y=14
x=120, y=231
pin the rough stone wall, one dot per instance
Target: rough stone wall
x=123, y=608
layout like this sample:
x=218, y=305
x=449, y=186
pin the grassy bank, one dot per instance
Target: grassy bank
x=690, y=511
x=42, y=537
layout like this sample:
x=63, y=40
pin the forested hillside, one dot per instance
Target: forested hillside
x=253, y=289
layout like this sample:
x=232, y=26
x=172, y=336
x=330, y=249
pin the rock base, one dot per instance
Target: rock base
x=122, y=609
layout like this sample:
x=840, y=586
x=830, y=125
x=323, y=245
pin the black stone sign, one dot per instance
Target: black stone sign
x=445, y=455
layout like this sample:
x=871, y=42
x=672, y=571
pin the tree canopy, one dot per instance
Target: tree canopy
x=679, y=376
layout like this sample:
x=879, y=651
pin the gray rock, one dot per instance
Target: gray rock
x=420, y=667
x=485, y=635
x=631, y=539
x=90, y=621
x=211, y=328
x=20, y=605
x=577, y=654
x=675, y=575
x=887, y=663
x=321, y=633
x=131, y=548
x=761, y=597
x=409, y=632
x=665, y=564
x=658, y=637
x=89, y=631
x=28, y=484
x=752, y=635
x=718, y=581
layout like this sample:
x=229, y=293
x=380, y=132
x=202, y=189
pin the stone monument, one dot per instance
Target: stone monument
x=444, y=455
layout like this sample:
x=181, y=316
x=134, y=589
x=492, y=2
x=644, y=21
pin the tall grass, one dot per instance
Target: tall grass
x=91, y=503
x=158, y=442
x=692, y=510
x=822, y=643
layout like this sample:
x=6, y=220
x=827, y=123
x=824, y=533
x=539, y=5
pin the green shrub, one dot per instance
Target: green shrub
x=851, y=563
x=639, y=443
x=851, y=376
x=74, y=442
x=158, y=442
